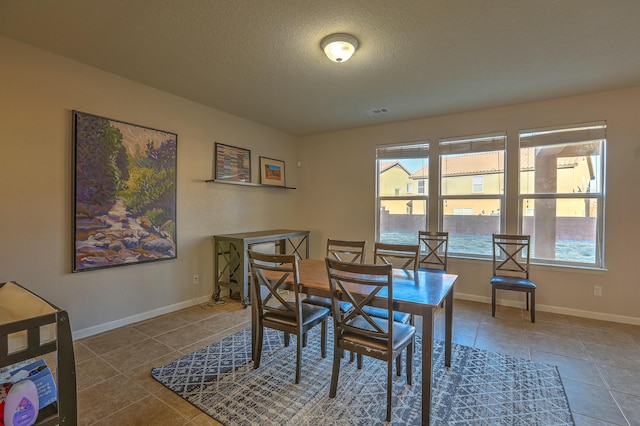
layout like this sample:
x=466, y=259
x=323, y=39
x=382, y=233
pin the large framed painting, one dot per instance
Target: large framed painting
x=233, y=163
x=124, y=193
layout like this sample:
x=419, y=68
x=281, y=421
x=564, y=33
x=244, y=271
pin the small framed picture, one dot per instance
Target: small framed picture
x=271, y=172
x=233, y=163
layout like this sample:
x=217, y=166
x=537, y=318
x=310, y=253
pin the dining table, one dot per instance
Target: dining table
x=419, y=292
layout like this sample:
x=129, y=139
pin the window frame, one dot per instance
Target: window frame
x=559, y=135
x=406, y=150
x=472, y=145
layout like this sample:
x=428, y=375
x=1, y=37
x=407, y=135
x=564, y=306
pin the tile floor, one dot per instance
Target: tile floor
x=599, y=361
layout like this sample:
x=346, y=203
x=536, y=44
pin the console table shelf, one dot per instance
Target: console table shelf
x=231, y=182
x=231, y=263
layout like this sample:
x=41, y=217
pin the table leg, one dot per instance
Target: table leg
x=448, y=327
x=427, y=364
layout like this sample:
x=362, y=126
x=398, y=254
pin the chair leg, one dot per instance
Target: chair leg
x=335, y=372
x=399, y=366
x=389, y=386
x=359, y=366
x=409, y=363
x=527, y=293
x=258, y=349
x=298, y=356
x=533, y=306
x=286, y=339
x=304, y=340
x=323, y=339
x=493, y=301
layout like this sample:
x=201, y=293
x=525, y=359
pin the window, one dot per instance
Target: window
x=476, y=184
x=561, y=193
x=472, y=183
x=401, y=215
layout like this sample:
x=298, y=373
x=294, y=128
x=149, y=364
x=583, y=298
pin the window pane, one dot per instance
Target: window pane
x=562, y=229
x=399, y=177
x=401, y=219
x=470, y=223
x=561, y=169
x=465, y=174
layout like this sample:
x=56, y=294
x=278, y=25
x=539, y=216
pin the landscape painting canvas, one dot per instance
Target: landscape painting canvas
x=124, y=193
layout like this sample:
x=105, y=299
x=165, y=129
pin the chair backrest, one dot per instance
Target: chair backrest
x=269, y=273
x=346, y=251
x=359, y=284
x=434, y=249
x=511, y=255
x=403, y=256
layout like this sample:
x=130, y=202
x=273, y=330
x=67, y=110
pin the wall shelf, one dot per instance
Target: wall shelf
x=231, y=182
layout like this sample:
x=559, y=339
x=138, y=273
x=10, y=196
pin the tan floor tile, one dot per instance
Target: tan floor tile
x=593, y=401
x=621, y=379
x=558, y=345
x=112, y=340
x=105, y=398
x=203, y=419
x=146, y=412
x=630, y=405
x=180, y=405
x=160, y=325
x=503, y=347
x=570, y=368
x=134, y=355
x=184, y=336
x=92, y=371
x=142, y=374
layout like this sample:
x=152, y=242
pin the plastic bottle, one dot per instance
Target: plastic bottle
x=21, y=405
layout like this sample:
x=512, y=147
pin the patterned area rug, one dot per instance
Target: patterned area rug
x=481, y=388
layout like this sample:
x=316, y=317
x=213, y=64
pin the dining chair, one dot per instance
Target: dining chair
x=272, y=309
x=360, y=332
x=408, y=256
x=434, y=250
x=403, y=256
x=346, y=251
x=511, y=254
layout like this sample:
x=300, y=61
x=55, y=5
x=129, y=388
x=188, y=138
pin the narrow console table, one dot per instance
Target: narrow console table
x=231, y=265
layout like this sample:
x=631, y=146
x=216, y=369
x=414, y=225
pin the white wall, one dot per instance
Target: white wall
x=39, y=91
x=337, y=183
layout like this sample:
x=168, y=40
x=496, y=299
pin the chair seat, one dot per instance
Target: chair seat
x=326, y=303
x=310, y=314
x=501, y=281
x=402, y=334
x=401, y=317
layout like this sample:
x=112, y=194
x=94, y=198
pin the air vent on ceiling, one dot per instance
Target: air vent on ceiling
x=379, y=111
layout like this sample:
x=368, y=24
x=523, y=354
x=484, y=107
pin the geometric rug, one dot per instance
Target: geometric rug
x=480, y=388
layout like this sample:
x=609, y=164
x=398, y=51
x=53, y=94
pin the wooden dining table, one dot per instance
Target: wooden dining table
x=418, y=293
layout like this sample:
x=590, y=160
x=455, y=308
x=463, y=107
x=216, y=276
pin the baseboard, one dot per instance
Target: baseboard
x=553, y=309
x=91, y=331
x=87, y=332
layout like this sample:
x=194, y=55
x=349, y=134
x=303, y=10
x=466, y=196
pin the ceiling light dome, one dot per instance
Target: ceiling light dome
x=339, y=47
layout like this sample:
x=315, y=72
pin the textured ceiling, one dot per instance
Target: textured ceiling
x=261, y=59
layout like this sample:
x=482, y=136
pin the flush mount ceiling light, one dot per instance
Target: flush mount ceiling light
x=339, y=47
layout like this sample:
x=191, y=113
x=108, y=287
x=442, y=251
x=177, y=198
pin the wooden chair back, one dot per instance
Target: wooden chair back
x=346, y=250
x=369, y=280
x=269, y=272
x=403, y=256
x=511, y=255
x=434, y=249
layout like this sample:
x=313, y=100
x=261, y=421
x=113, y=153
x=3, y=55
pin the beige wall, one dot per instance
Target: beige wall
x=331, y=209
x=39, y=91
